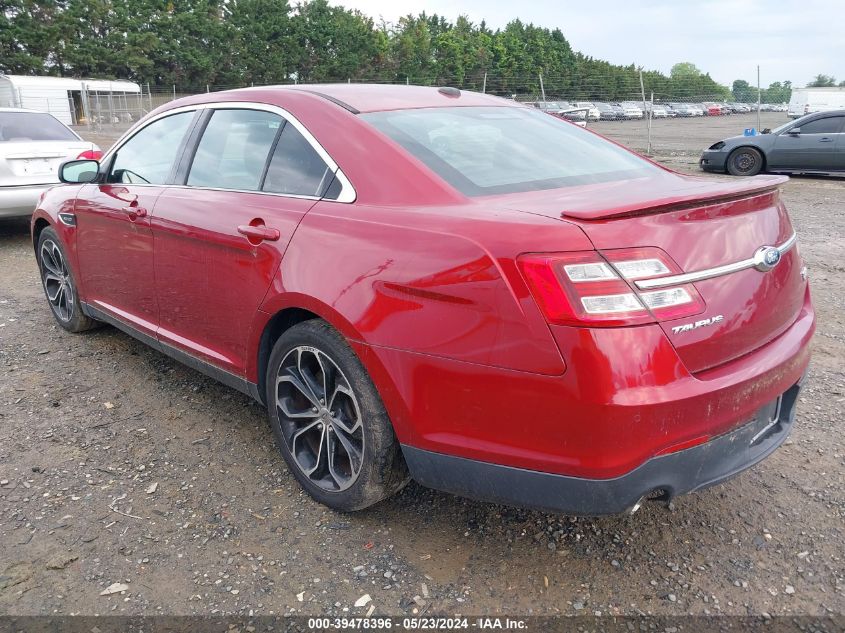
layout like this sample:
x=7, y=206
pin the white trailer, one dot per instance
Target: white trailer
x=809, y=100
x=69, y=100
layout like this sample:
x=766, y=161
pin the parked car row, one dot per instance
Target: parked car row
x=632, y=110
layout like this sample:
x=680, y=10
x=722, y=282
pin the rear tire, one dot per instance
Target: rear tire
x=60, y=285
x=329, y=421
x=745, y=161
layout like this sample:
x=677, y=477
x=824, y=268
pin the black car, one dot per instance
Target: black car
x=813, y=144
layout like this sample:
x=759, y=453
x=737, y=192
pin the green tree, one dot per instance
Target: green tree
x=194, y=43
x=822, y=81
x=263, y=43
x=29, y=34
x=332, y=43
x=743, y=92
x=777, y=92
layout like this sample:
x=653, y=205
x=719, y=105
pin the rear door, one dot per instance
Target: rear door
x=114, y=240
x=221, y=233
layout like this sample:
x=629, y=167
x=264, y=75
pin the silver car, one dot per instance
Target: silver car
x=32, y=146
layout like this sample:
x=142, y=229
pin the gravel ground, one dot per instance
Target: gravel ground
x=118, y=465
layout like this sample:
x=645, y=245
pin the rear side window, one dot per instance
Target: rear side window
x=494, y=150
x=32, y=126
x=148, y=156
x=830, y=125
x=233, y=151
x=297, y=169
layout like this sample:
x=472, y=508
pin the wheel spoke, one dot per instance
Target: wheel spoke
x=339, y=414
x=311, y=382
x=295, y=379
x=304, y=429
x=49, y=261
x=323, y=380
x=353, y=452
x=332, y=444
x=53, y=289
x=321, y=452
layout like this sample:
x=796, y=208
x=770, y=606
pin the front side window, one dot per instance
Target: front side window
x=494, y=150
x=233, y=151
x=297, y=169
x=148, y=156
x=830, y=125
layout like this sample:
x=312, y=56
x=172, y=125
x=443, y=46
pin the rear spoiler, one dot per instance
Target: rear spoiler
x=703, y=193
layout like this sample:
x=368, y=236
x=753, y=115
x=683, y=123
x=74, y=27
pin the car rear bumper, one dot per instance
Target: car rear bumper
x=19, y=201
x=663, y=477
x=606, y=425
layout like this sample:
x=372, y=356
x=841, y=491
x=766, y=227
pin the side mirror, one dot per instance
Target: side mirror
x=796, y=131
x=79, y=171
x=766, y=130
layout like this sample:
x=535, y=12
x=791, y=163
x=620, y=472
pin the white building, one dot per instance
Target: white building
x=73, y=101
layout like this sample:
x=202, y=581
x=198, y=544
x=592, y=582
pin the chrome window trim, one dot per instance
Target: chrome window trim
x=710, y=273
x=347, y=191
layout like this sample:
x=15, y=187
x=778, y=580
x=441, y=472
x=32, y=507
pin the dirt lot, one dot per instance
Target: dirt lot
x=118, y=464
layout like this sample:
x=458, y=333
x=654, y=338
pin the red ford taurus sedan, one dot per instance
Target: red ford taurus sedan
x=446, y=286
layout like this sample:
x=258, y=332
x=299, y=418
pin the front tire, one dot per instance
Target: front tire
x=745, y=161
x=330, y=424
x=59, y=284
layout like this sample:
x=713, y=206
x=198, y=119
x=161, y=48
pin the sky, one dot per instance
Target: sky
x=728, y=38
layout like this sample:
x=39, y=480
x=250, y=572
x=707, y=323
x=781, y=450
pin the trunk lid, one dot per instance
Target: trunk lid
x=701, y=224
x=36, y=162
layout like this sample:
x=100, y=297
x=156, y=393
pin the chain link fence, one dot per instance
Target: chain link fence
x=105, y=115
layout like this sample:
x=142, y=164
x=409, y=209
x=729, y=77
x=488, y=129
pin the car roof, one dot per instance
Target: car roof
x=825, y=113
x=379, y=97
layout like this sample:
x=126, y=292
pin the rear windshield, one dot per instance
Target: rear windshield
x=492, y=150
x=32, y=126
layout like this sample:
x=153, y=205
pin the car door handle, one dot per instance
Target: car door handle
x=134, y=211
x=826, y=140
x=259, y=233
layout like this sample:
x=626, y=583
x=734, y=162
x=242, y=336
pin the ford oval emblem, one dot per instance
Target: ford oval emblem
x=766, y=258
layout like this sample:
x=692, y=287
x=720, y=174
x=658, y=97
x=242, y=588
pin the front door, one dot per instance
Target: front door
x=813, y=148
x=115, y=243
x=220, y=237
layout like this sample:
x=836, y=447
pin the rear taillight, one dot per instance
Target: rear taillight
x=592, y=288
x=90, y=154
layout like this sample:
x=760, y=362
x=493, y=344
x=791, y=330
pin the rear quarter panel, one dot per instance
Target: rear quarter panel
x=438, y=281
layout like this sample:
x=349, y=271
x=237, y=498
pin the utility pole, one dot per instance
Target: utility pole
x=542, y=89
x=650, y=114
x=484, y=85
x=642, y=87
x=758, y=98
